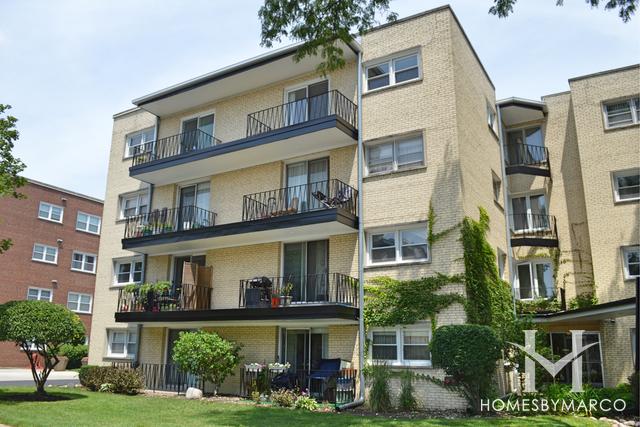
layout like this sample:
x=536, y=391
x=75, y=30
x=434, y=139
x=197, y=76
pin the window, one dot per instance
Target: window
x=526, y=147
x=561, y=345
x=128, y=271
x=397, y=154
x=491, y=117
x=38, y=294
x=83, y=262
x=44, y=253
x=80, y=303
x=136, y=142
x=497, y=187
x=122, y=343
x=535, y=280
x=626, y=185
x=50, y=212
x=393, y=71
x=529, y=213
x=622, y=113
x=395, y=246
x=631, y=256
x=502, y=262
x=87, y=222
x=134, y=204
x=401, y=346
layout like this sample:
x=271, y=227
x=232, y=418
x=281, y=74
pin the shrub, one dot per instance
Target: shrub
x=255, y=396
x=40, y=328
x=635, y=389
x=307, y=403
x=468, y=353
x=284, y=398
x=111, y=379
x=206, y=355
x=407, y=401
x=74, y=353
x=379, y=395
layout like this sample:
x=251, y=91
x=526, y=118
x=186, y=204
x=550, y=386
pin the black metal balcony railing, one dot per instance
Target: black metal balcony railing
x=527, y=155
x=163, y=377
x=178, y=298
x=162, y=221
x=174, y=145
x=533, y=225
x=328, y=386
x=326, y=288
x=300, y=198
x=307, y=109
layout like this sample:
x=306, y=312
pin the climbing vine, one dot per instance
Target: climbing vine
x=390, y=302
x=432, y=236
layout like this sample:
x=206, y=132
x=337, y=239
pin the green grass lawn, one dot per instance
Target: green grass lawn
x=85, y=408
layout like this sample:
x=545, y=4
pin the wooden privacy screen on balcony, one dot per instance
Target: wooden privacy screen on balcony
x=201, y=277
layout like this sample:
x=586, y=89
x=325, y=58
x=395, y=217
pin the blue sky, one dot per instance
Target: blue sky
x=67, y=66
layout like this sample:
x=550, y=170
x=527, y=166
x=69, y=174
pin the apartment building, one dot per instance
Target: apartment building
x=266, y=194
x=55, y=234
x=573, y=169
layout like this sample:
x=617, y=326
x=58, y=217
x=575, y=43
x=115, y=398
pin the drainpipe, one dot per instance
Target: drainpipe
x=360, y=400
x=507, y=210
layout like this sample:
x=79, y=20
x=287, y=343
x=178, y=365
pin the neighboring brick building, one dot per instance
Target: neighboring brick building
x=55, y=234
x=252, y=172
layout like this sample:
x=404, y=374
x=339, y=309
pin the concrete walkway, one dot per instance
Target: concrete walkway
x=22, y=377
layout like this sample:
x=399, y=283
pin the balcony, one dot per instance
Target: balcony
x=533, y=230
x=309, y=125
x=315, y=210
x=527, y=159
x=328, y=296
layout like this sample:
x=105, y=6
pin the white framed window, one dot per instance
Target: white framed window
x=122, y=343
x=396, y=154
x=496, y=182
x=534, y=280
x=491, y=117
x=408, y=244
x=84, y=262
x=622, y=112
x=502, y=262
x=136, y=142
x=626, y=185
x=80, y=303
x=392, y=71
x=128, y=270
x=88, y=223
x=39, y=294
x=44, y=253
x=530, y=213
x=401, y=345
x=133, y=204
x=50, y=212
x=631, y=257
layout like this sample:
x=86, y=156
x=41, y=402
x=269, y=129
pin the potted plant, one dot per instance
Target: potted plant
x=146, y=230
x=275, y=300
x=167, y=227
x=286, y=293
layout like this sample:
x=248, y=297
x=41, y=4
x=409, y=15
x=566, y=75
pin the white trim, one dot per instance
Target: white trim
x=394, y=141
x=397, y=244
x=631, y=101
x=44, y=253
x=422, y=327
x=390, y=61
x=89, y=216
x=80, y=295
x=128, y=260
x=50, y=210
x=527, y=196
x=625, y=263
x=83, y=262
x=122, y=197
x=306, y=85
x=198, y=116
x=127, y=148
x=533, y=275
x=40, y=293
x=128, y=333
x=614, y=180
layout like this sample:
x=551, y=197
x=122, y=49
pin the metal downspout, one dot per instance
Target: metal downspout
x=507, y=210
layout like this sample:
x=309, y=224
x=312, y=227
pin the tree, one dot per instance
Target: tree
x=469, y=354
x=10, y=166
x=322, y=24
x=626, y=8
x=40, y=329
x=206, y=355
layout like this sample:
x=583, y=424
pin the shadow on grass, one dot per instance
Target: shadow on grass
x=12, y=397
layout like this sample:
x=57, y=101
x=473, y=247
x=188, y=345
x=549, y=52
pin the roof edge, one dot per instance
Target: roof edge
x=64, y=190
x=605, y=72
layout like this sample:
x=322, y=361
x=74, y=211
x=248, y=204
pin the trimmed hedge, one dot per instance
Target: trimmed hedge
x=74, y=353
x=121, y=380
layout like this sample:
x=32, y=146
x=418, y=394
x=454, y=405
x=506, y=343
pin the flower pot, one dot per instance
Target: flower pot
x=275, y=301
x=62, y=363
x=286, y=300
